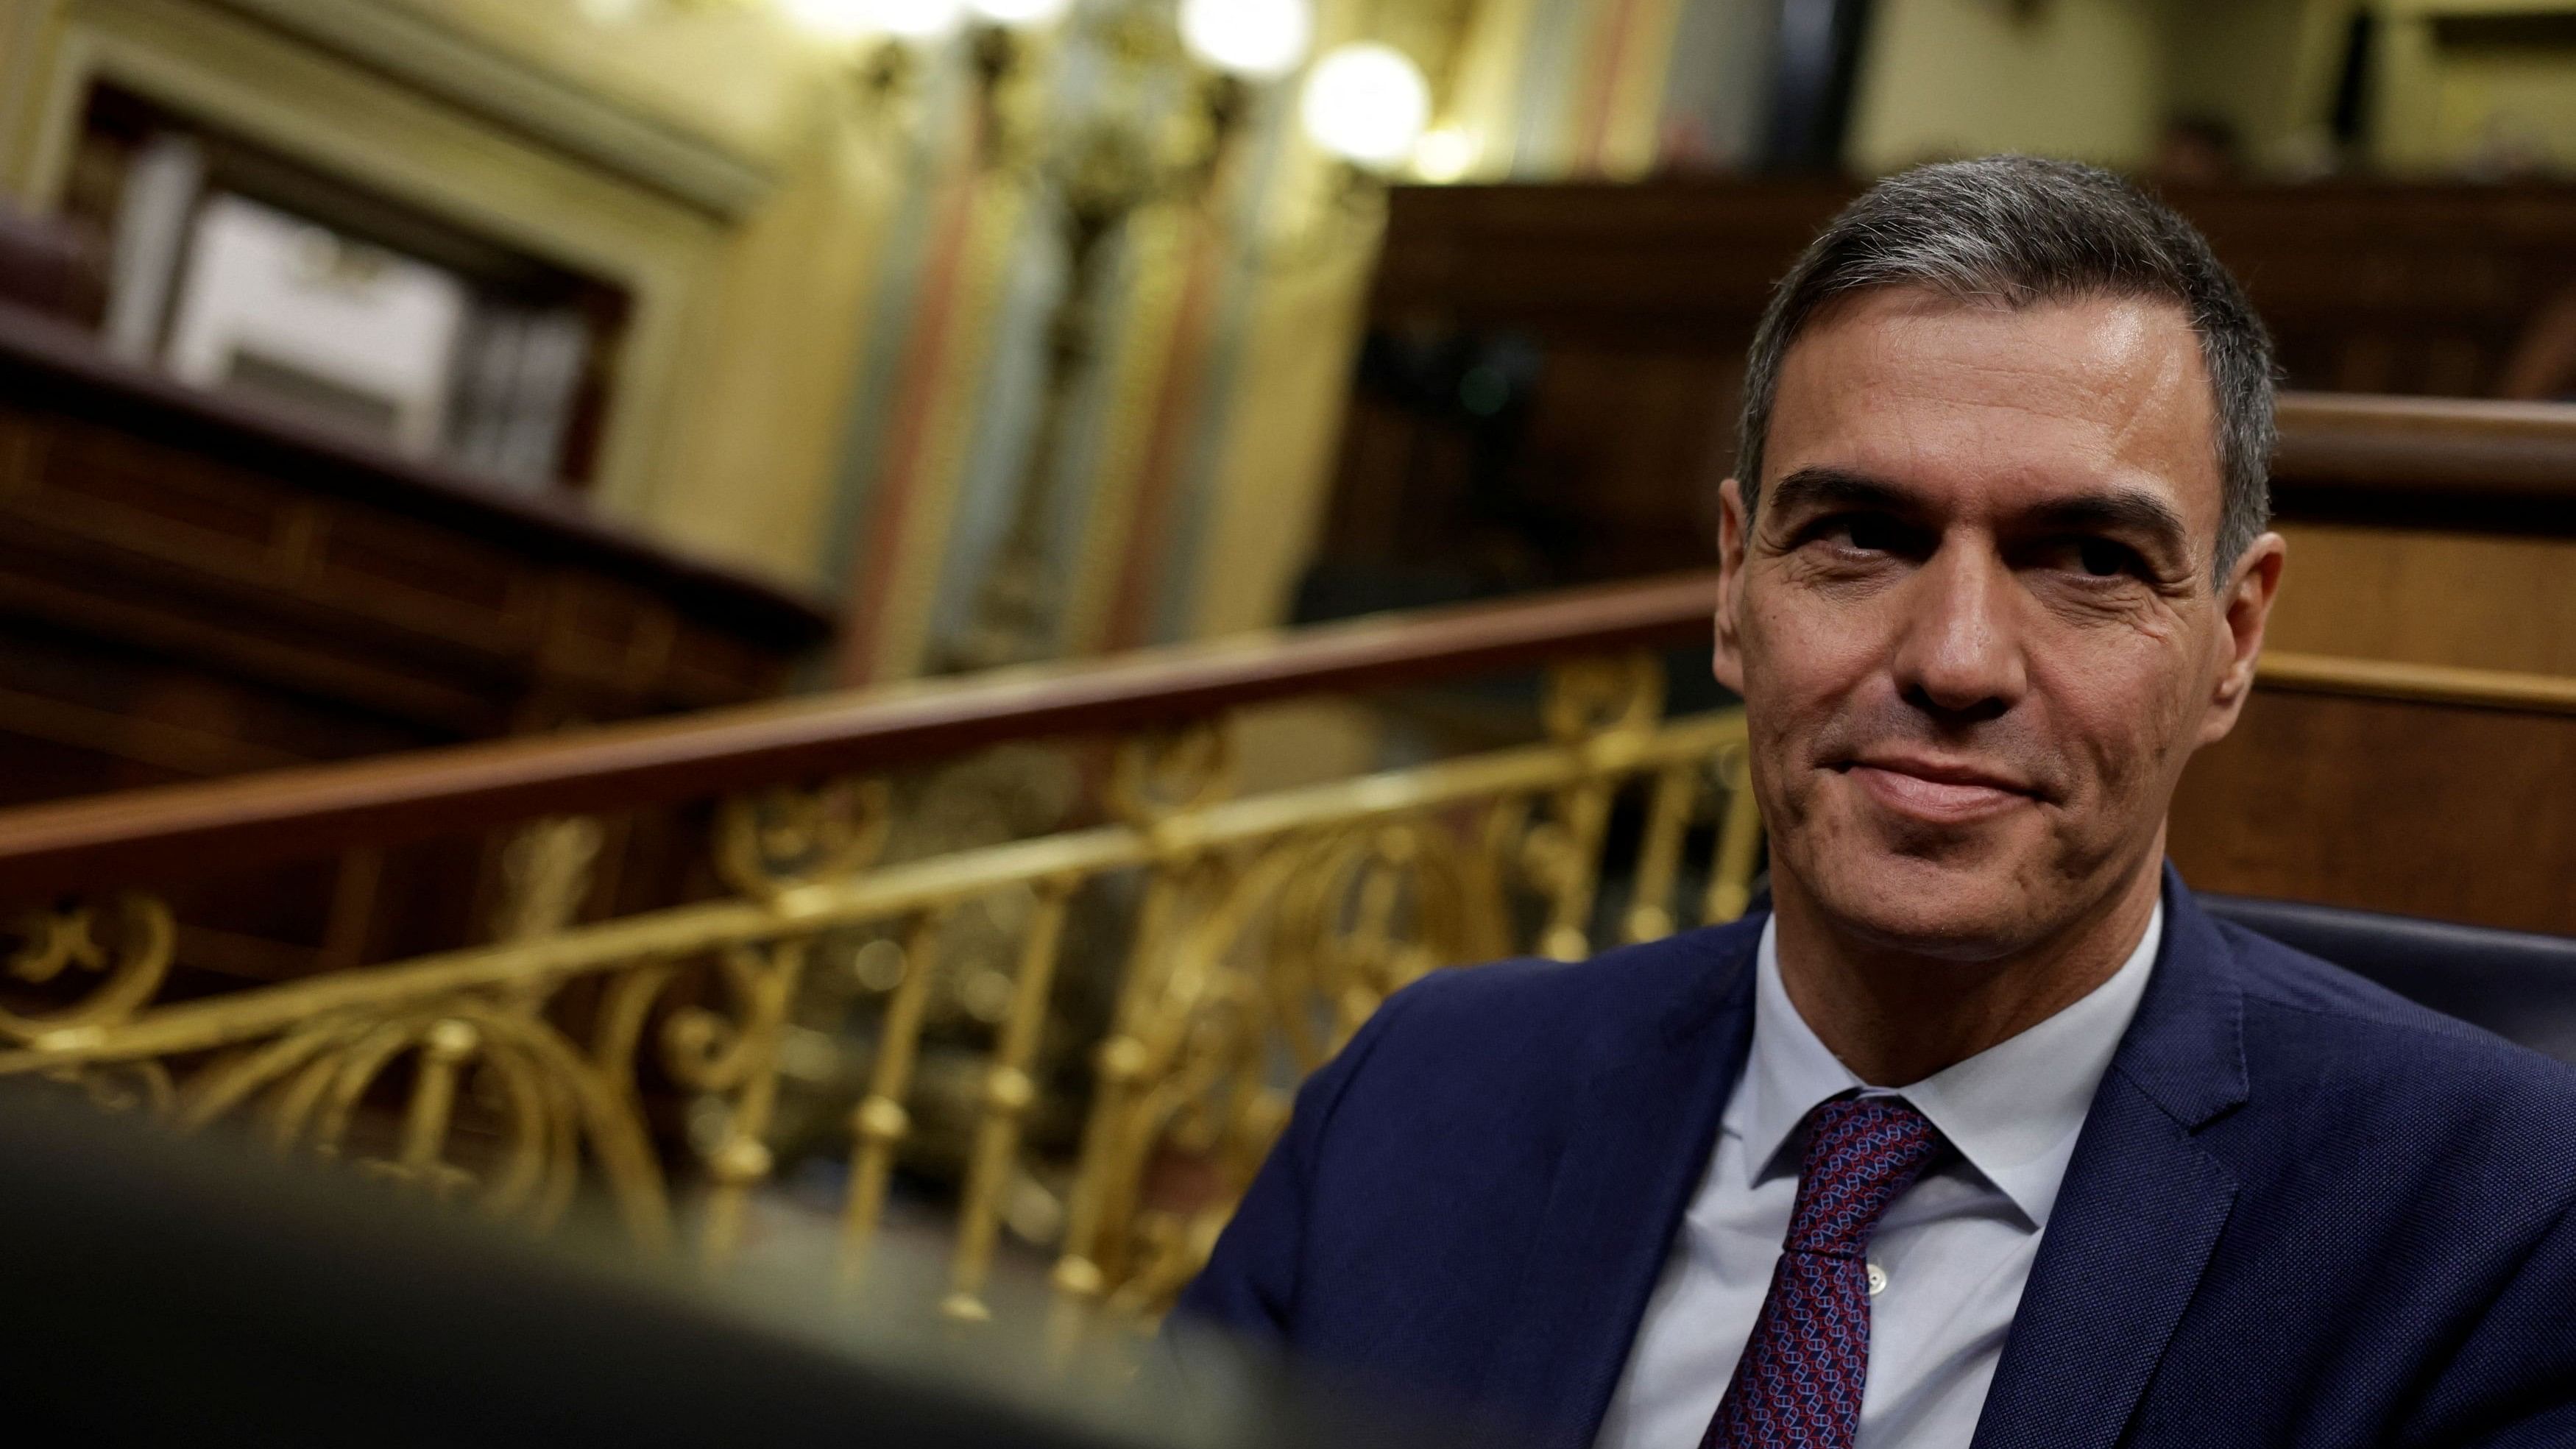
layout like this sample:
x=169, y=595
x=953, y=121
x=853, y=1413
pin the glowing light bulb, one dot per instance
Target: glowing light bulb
x=1445, y=154
x=1366, y=103
x=1255, y=39
x=1019, y=14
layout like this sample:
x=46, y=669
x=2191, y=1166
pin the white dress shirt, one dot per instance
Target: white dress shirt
x=1948, y=1260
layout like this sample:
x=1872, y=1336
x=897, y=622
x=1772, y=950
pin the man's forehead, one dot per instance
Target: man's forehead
x=2000, y=405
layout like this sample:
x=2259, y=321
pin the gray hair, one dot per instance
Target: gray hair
x=2018, y=230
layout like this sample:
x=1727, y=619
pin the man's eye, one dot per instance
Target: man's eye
x=2104, y=559
x=1872, y=535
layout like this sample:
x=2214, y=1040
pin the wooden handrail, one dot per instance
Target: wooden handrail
x=2416, y=445
x=246, y=820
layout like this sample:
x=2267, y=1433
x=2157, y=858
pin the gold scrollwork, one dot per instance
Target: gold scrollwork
x=737, y=1055
x=1360, y=914
x=545, y=873
x=1300, y=946
x=538, y=1102
x=773, y=841
x=1161, y=777
x=134, y=960
x=1593, y=702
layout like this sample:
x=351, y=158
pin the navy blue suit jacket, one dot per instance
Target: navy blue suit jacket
x=2302, y=1210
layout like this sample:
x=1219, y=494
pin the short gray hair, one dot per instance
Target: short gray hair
x=2018, y=230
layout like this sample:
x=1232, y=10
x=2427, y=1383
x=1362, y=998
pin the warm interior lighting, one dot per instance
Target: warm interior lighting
x=1445, y=154
x=917, y=21
x=1255, y=39
x=832, y=19
x=611, y=12
x=1019, y=14
x=1367, y=104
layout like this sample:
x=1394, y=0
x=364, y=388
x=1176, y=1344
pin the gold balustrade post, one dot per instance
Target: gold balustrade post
x=881, y=1122
x=1600, y=711
x=1008, y=1093
x=448, y=1045
x=1739, y=841
x=1650, y=914
x=742, y=1161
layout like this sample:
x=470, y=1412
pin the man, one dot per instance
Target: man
x=1984, y=1133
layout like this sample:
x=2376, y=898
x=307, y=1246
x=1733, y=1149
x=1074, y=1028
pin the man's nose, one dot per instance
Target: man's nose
x=1958, y=656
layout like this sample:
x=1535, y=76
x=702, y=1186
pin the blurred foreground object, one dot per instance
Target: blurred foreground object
x=196, y=1296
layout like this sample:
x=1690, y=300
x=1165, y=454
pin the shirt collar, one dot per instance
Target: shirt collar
x=2012, y=1110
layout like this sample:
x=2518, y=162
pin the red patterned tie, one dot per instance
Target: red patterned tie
x=1799, y=1382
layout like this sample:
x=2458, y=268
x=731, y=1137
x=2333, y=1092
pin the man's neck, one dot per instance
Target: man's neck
x=1896, y=1017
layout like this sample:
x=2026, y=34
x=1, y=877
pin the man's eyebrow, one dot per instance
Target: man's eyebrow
x=1820, y=489
x=2117, y=511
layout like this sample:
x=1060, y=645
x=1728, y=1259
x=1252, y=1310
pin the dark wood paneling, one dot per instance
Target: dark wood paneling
x=2421, y=808
x=189, y=588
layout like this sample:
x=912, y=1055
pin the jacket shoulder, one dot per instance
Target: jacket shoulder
x=2428, y=1080
x=1514, y=1016
x=2289, y=985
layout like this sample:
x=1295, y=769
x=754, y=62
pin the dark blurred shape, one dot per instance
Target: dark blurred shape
x=2511, y=32
x=169, y=1291
x=1818, y=60
x=2521, y=985
x=2196, y=150
x=49, y=266
x=2543, y=366
x=2349, y=122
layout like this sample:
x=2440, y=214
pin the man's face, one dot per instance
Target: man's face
x=1973, y=622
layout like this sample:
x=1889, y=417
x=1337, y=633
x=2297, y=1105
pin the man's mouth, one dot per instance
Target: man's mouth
x=1945, y=792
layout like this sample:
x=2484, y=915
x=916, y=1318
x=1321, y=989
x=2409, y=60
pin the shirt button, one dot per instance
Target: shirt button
x=1877, y=1280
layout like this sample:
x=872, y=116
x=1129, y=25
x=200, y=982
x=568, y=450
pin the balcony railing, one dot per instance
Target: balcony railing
x=1056, y=995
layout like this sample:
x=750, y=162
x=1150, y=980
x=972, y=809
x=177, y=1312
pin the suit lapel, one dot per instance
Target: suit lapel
x=1640, y=1133
x=2140, y=1211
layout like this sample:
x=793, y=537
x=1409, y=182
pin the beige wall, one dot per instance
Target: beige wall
x=754, y=454
x=2447, y=109
x=2096, y=79
x=2269, y=67
x=749, y=309
x=2080, y=78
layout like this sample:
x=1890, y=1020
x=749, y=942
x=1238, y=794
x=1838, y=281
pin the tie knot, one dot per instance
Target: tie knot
x=1861, y=1152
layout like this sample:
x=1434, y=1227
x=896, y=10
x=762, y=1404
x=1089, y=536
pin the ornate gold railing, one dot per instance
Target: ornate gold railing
x=1077, y=1043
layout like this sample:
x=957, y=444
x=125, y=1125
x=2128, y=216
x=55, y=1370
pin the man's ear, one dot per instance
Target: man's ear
x=2245, y=609
x=1727, y=663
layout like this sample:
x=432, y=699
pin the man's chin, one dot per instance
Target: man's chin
x=1927, y=908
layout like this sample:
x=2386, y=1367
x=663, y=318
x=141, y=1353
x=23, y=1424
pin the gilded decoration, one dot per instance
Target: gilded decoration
x=1065, y=1031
